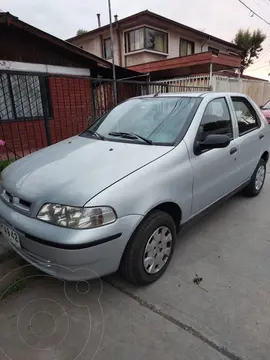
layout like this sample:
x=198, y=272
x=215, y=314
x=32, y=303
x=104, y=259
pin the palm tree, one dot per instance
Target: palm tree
x=250, y=45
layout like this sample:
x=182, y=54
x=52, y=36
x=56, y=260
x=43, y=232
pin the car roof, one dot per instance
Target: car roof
x=173, y=94
x=193, y=94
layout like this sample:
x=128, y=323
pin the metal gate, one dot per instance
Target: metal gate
x=37, y=110
x=103, y=92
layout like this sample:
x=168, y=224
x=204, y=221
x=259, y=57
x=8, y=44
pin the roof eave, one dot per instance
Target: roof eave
x=10, y=19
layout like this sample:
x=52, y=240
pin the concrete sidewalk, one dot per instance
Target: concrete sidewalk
x=47, y=321
x=226, y=316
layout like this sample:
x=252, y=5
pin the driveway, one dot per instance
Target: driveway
x=225, y=314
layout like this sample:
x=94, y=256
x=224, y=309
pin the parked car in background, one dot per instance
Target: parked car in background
x=266, y=111
x=116, y=195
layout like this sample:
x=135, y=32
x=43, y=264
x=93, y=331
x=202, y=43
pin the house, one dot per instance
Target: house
x=46, y=87
x=150, y=43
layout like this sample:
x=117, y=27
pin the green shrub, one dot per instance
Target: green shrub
x=4, y=164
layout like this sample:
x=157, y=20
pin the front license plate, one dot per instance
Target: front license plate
x=10, y=234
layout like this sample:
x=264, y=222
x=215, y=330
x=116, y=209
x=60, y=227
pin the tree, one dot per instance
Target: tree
x=81, y=31
x=250, y=44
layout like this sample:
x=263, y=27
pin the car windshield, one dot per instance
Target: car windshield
x=155, y=120
x=266, y=106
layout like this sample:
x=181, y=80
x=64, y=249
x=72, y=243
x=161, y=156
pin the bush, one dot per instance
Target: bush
x=4, y=164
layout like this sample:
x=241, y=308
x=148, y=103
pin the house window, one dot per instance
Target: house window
x=156, y=40
x=186, y=47
x=214, y=51
x=134, y=40
x=146, y=38
x=107, y=48
x=21, y=97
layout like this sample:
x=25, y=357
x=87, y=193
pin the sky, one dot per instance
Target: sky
x=222, y=19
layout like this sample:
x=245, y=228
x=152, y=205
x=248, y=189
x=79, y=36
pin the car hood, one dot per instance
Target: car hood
x=73, y=171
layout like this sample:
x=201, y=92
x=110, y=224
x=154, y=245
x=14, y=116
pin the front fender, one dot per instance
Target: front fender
x=168, y=179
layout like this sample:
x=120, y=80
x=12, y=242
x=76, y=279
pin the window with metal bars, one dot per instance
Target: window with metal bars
x=22, y=97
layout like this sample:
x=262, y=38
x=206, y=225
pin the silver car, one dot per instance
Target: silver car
x=116, y=195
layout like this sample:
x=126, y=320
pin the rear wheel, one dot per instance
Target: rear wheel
x=257, y=180
x=150, y=249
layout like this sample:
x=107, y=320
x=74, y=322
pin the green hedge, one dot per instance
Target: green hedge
x=4, y=164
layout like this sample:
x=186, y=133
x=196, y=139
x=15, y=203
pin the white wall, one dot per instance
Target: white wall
x=223, y=48
x=91, y=45
x=142, y=58
x=94, y=44
x=173, y=45
x=175, y=36
x=258, y=90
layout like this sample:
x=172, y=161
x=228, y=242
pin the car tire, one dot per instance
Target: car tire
x=257, y=180
x=143, y=261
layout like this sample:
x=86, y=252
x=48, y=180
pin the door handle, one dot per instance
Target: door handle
x=261, y=136
x=233, y=150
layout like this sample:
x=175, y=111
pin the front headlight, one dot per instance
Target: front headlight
x=76, y=217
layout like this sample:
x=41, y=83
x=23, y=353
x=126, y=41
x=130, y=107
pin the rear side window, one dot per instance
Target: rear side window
x=216, y=119
x=246, y=115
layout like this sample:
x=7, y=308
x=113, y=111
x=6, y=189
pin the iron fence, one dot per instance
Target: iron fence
x=104, y=100
x=37, y=110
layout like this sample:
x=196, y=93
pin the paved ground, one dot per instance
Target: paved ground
x=226, y=317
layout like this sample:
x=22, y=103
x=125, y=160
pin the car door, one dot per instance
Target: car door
x=213, y=170
x=250, y=136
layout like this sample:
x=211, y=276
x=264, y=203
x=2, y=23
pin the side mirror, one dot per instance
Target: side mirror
x=261, y=107
x=214, y=141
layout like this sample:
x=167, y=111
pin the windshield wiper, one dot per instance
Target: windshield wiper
x=130, y=136
x=96, y=134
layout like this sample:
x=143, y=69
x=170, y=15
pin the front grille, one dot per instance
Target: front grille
x=15, y=201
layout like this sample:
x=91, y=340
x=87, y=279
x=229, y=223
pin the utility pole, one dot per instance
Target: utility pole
x=112, y=52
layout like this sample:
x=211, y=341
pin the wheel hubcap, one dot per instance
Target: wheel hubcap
x=157, y=250
x=259, y=177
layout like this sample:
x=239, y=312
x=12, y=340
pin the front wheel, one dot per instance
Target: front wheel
x=150, y=249
x=257, y=180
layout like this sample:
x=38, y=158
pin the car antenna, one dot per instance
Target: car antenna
x=156, y=94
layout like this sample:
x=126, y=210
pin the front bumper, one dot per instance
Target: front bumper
x=70, y=254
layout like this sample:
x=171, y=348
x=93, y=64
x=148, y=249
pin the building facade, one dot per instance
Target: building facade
x=147, y=37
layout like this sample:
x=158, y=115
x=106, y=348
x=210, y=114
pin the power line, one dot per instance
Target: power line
x=254, y=13
x=267, y=2
x=265, y=50
x=261, y=56
x=264, y=62
x=261, y=67
x=255, y=2
x=259, y=16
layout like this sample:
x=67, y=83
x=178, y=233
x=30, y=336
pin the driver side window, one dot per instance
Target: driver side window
x=216, y=120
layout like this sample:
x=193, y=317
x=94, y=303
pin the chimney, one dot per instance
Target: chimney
x=115, y=17
x=98, y=20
